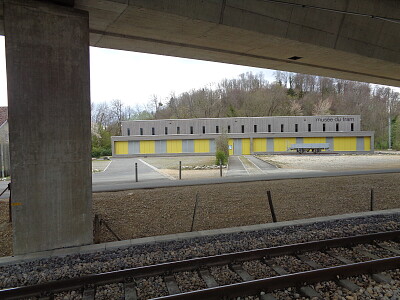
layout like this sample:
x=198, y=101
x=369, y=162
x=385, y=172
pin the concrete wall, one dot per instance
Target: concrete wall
x=241, y=144
x=235, y=124
x=47, y=53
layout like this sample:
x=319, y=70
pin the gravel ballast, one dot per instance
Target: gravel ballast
x=56, y=268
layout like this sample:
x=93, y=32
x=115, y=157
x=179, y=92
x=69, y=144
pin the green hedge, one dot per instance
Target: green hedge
x=100, y=151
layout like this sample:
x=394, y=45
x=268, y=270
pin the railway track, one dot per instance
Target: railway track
x=255, y=273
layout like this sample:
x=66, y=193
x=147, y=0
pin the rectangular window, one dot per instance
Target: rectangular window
x=229, y=128
x=352, y=127
x=166, y=130
x=204, y=129
x=153, y=132
x=309, y=127
x=255, y=128
x=191, y=129
x=337, y=126
x=178, y=130
x=282, y=128
x=296, y=127
x=129, y=131
x=141, y=131
x=269, y=127
x=323, y=127
x=242, y=128
x=216, y=129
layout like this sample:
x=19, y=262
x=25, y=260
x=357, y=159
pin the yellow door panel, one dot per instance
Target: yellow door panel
x=174, y=146
x=121, y=147
x=147, y=147
x=230, y=144
x=282, y=144
x=259, y=145
x=245, y=146
x=201, y=146
x=345, y=144
x=314, y=140
x=367, y=143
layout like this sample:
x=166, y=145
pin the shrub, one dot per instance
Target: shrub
x=106, y=152
x=96, y=152
x=222, y=146
x=221, y=156
x=101, y=151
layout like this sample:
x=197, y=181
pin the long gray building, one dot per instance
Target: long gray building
x=247, y=135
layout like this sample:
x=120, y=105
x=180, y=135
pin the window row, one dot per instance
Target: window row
x=255, y=129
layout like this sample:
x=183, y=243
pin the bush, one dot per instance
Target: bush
x=221, y=156
x=100, y=151
x=222, y=152
x=96, y=152
x=106, y=152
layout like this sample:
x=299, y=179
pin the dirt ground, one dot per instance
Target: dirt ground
x=169, y=210
x=158, y=211
x=334, y=162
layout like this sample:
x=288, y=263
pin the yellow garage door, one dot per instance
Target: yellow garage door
x=121, y=147
x=245, y=146
x=314, y=140
x=367, y=143
x=282, y=144
x=174, y=146
x=230, y=145
x=201, y=146
x=147, y=147
x=345, y=144
x=259, y=145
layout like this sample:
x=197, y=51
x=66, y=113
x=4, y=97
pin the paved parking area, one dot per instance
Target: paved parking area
x=120, y=174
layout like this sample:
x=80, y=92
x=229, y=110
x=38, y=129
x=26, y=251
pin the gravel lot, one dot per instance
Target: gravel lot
x=149, y=212
x=334, y=162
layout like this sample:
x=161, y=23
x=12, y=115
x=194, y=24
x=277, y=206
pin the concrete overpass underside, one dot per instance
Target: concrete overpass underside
x=259, y=33
x=47, y=55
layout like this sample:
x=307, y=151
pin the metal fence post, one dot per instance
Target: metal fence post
x=136, y=173
x=180, y=170
x=271, y=206
x=220, y=168
x=372, y=200
x=194, y=211
x=96, y=229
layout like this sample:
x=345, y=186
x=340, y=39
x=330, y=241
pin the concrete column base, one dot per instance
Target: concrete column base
x=47, y=54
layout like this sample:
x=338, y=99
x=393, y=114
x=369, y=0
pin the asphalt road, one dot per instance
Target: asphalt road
x=120, y=175
x=272, y=175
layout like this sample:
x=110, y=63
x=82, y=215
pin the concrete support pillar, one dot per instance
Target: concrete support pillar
x=47, y=55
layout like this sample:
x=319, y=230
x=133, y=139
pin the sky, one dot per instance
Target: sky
x=134, y=78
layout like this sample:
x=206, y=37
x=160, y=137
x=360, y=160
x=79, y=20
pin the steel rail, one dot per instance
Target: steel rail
x=295, y=279
x=189, y=264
